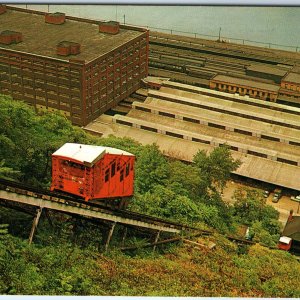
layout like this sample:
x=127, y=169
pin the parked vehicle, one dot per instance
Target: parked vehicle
x=297, y=198
x=277, y=195
x=284, y=243
x=266, y=194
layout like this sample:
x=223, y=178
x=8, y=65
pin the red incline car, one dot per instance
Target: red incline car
x=93, y=172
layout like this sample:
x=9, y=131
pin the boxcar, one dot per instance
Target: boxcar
x=93, y=172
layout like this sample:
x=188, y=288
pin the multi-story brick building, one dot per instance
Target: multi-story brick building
x=78, y=66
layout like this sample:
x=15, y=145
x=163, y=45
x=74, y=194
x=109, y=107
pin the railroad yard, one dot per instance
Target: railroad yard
x=177, y=110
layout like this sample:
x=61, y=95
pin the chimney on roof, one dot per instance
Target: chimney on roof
x=111, y=27
x=55, y=18
x=290, y=218
x=2, y=9
x=8, y=37
x=66, y=48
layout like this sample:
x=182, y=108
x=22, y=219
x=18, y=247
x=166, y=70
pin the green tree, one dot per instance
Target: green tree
x=8, y=173
x=185, y=179
x=216, y=167
x=27, y=140
x=250, y=208
x=152, y=169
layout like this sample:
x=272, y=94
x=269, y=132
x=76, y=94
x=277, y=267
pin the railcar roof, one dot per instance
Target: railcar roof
x=87, y=154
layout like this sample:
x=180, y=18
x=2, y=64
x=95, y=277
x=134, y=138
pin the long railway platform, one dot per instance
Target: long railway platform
x=255, y=103
x=219, y=120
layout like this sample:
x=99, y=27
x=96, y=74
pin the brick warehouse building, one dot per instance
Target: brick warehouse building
x=78, y=66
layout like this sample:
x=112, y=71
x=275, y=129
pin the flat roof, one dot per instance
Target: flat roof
x=232, y=97
x=246, y=83
x=267, y=70
x=292, y=77
x=41, y=38
x=228, y=105
x=232, y=138
x=87, y=154
x=222, y=119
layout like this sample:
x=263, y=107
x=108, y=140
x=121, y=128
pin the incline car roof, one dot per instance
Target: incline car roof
x=87, y=154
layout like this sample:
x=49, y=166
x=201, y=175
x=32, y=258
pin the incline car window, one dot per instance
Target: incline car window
x=122, y=175
x=127, y=169
x=106, y=177
x=113, y=169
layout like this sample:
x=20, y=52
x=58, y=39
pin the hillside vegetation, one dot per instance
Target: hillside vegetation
x=65, y=257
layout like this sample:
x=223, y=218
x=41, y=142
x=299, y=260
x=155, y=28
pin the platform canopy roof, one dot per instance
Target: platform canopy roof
x=87, y=154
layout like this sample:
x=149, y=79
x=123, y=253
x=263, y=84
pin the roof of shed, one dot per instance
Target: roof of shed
x=292, y=228
x=292, y=77
x=41, y=38
x=247, y=83
x=87, y=154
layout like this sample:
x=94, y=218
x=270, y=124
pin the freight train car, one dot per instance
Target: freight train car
x=93, y=172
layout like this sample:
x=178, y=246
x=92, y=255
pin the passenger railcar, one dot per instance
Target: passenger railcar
x=93, y=172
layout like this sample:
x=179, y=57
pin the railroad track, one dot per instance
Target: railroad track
x=254, y=54
x=204, y=60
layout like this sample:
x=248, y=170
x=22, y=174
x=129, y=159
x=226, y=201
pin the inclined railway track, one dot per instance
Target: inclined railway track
x=22, y=189
x=70, y=201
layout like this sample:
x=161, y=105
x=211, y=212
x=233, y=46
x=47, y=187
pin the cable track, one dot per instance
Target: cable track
x=22, y=189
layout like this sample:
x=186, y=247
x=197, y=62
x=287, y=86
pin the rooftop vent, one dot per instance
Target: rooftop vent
x=55, y=18
x=2, y=9
x=8, y=37
x=111, y=27
x=66, y=48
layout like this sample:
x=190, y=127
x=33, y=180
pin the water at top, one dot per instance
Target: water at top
x=275, y=25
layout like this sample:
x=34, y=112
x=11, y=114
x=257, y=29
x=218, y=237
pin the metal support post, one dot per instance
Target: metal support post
x=35, y=223
x=156, y=240
x=110, y=233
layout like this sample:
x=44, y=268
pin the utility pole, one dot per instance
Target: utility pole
x=124, y=19
x=220, y=34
